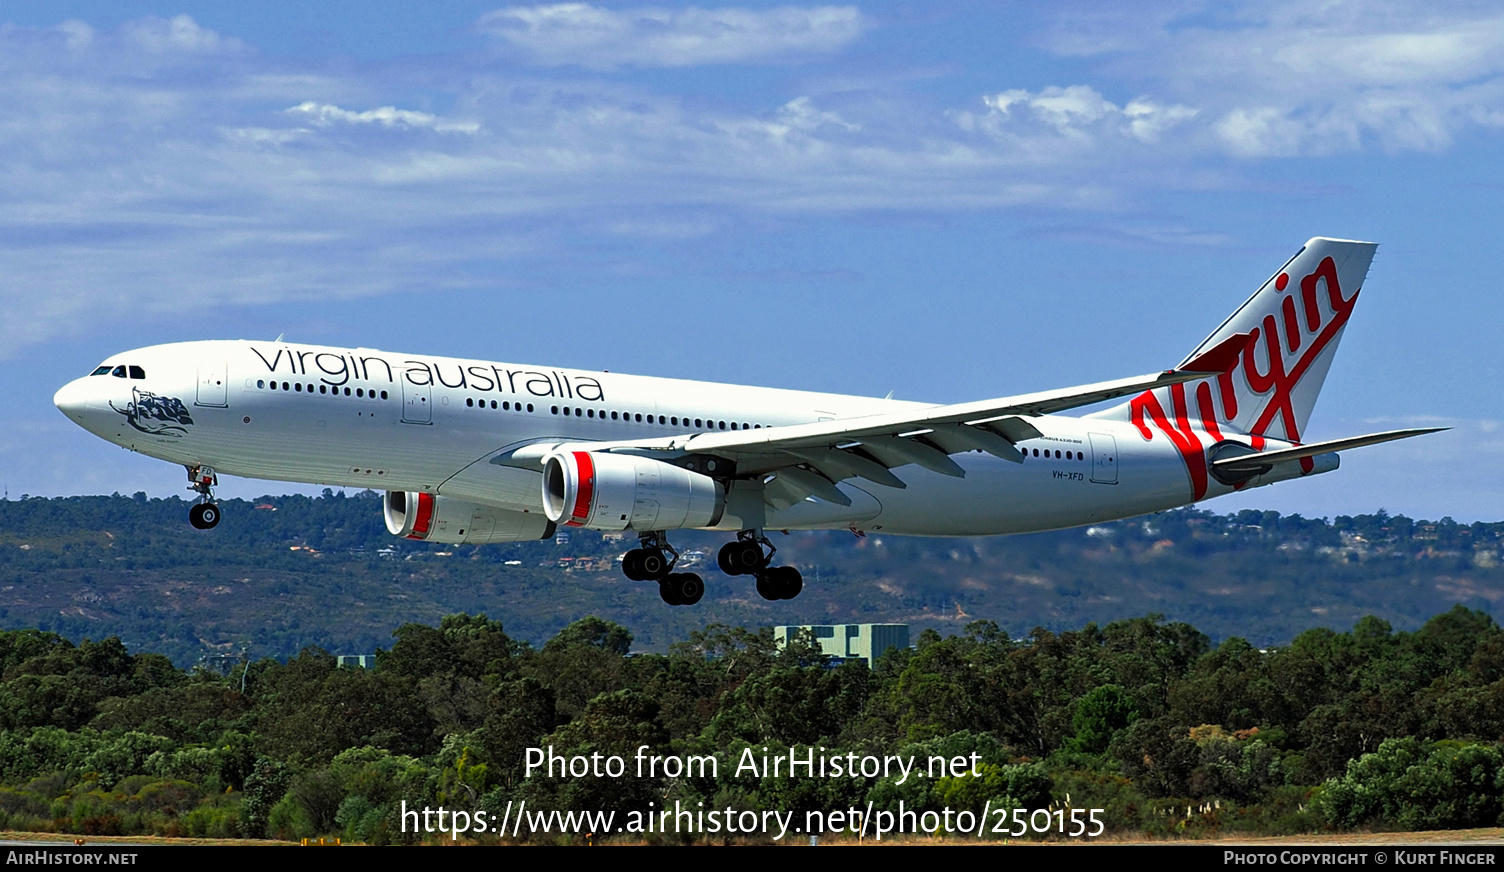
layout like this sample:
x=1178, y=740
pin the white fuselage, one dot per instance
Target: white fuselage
x=397, y=422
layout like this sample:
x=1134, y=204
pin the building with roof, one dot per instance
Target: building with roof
x=843, y=642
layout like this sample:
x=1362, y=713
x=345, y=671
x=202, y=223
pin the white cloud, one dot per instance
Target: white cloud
x=76, y=34
x=197, y=186
x=1076, y=114
x=179, y=35
x=597, y=38
x=1294, y=78
x=800, y=114
x=1260, y=131
x=796, y=125
x=325, y=114
x=1427, y=55
x=128, y=197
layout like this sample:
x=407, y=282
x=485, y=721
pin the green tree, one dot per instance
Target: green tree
x=1099, y=716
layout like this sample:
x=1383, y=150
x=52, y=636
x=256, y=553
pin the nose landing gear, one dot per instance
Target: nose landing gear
x=205, y=514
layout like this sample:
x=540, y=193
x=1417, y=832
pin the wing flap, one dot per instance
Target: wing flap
x=981, y=439
x=913, y=451
x=846, y=464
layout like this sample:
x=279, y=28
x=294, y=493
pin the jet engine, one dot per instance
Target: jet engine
x=433, y=518
x=624, y=492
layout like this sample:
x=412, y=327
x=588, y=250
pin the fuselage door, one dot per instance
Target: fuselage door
x=1104, y=458
x=213, y=388
x=415, y=404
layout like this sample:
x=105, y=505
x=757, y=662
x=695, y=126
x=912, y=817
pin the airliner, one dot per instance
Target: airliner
x=477, y=452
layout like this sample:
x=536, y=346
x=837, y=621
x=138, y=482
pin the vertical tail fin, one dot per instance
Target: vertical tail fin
x=1294, y=322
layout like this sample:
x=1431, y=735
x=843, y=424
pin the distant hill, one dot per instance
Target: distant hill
x=282, y=573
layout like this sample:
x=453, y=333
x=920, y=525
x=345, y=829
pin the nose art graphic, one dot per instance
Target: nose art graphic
x=159, y=416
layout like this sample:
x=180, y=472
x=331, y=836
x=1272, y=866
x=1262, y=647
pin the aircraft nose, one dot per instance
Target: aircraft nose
x=72, y=399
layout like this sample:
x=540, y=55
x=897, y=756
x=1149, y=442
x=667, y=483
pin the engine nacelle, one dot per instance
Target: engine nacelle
x=623, y=492
x=433, y=518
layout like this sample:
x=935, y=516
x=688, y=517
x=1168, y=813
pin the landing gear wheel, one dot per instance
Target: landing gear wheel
x=652, y=564
x=204, y=516
x=681, y=589
x=726, y=559
x=779, y=583
x=654, y=560
x=765, y=587
x=745, y=556
x=667, y=593
x=749, y=556
x=790, y=582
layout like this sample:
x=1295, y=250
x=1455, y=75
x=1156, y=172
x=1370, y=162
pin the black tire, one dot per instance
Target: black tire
x=790, y=582
x=688, y=587
x=204, y=516
x=749, y=556
x=726, y=559
x=667, y=592
x=631, y=565
x=653, y=564
x=766, y=587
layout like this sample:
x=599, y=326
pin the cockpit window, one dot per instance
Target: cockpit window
x=122, y=371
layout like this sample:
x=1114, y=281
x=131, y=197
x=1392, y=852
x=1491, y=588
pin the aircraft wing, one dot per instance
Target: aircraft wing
x=808, y=459
x=985, y=415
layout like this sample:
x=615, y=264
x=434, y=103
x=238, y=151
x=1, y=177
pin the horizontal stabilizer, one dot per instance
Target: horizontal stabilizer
x=1260, y=461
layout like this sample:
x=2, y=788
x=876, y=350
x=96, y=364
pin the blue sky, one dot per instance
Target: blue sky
x=947, y=201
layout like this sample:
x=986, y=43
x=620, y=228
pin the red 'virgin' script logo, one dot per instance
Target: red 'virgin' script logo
x=1282, y=348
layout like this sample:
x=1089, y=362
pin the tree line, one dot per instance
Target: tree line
x=1144, y=719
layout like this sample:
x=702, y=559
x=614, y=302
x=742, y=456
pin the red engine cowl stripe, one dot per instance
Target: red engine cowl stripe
x=584, y=489
x=424, y=519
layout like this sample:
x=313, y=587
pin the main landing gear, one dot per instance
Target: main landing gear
x=205, y=513
x=746, y=556
x=654, y=561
